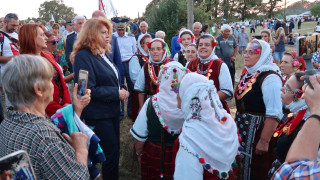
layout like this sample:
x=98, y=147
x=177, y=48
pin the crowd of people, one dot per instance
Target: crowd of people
x=177, y=100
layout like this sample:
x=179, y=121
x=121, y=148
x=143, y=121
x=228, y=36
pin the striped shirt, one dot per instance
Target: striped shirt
x=51, y=155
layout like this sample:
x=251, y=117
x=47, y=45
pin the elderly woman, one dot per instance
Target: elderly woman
x=146, y=83
x=185, y=38
x=159, y=124
x=33, y=40
x=104, y=109
x=59, y=52
x=258, y=109
x=291, y=64
x=214, y=69
x=291, y=94
x=209, y=141
x=136, y=63
x=27, y=83
x=191, y=53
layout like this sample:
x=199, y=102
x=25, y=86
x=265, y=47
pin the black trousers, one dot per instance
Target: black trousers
x=108, y=130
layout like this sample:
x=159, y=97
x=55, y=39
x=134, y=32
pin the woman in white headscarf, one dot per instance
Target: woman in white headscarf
x=259, y=109
x=185, y=38
x=209, y=141
x=136, y=63
x=158, y=125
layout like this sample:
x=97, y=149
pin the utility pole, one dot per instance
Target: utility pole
x=190, y=14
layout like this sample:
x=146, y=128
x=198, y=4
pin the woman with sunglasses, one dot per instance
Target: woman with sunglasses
x=291, y=94
x=59, y=52
x=33, y=40
x=258, y=109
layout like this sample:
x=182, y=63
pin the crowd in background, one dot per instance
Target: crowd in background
x=177, y=99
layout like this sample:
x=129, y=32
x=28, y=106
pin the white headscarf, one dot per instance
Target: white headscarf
x=192, y=37
x=203, y=133
x=212, y=56
x=265, y=63
x=139, y=44
x=164, y=54
x=165, y=100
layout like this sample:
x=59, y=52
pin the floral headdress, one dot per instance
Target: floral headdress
x=297, y=62
x=156, y=39
x=256, y=47
x=297, y=94
x=175, y=84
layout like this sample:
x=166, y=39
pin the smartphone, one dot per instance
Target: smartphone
x=307, y=45
x=16, y=165
x=82, y=82
x=257, y=37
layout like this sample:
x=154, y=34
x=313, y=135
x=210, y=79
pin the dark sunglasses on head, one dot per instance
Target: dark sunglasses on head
x=53, y=42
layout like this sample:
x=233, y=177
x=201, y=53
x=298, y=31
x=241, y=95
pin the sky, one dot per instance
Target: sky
x=29, y=8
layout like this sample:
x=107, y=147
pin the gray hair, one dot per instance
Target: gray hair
x=143, y=22
x=197, y=23
x=160, y=34
x=21, y=75
x=10, y=16
x=226, y=26
x=77, y=18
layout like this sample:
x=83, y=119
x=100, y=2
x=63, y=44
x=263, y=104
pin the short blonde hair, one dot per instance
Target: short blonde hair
x=160, y=34
x=279, y=30
x=90, y=37
x=21, y=75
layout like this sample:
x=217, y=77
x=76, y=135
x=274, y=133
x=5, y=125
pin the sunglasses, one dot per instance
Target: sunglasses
x=53, y=42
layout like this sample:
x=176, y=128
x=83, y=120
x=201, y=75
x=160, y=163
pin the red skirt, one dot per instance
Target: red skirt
x=151, y=162
x=134, y=105
x=206, y=174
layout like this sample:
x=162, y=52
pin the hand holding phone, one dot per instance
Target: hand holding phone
x=82, y=82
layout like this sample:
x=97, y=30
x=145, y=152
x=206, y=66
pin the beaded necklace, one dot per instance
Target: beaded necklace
x=152, y=74
x=207, y=72
x=245, y=85
x=161, y=119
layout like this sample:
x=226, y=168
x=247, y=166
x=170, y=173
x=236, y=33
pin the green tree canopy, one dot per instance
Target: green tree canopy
x=315, y=10
x=58, y=9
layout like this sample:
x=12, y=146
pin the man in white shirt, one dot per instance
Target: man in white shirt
x=8, y=44
x=127, y=45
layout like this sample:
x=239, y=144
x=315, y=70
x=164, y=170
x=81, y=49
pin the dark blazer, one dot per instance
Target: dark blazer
x=115, y=56
x=71, y=38
x=104, y=85
x=151, y=34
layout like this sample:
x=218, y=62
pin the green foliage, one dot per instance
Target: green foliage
x=170, y=15
x=315, y=10
x=58, y=9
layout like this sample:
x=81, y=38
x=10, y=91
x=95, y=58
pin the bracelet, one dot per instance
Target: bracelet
x=314, y=116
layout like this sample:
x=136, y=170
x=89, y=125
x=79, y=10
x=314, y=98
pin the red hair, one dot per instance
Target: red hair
x=27, y=38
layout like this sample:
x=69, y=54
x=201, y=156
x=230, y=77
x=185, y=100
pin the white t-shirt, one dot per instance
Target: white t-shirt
x=318, y=28
x=8, y=48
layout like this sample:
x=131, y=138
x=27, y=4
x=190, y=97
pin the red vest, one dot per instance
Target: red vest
x=216, y=66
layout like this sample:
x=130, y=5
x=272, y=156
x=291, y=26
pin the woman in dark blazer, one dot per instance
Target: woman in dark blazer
x=90, y=54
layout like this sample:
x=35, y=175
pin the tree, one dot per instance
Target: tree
x=315, y=10
x=58, y=9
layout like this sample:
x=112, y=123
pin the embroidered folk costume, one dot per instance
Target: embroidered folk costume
x=159, y=123
x=209, y=141
x=135, y=65
x=181, y=55
x=257, y=97
x=214, y=69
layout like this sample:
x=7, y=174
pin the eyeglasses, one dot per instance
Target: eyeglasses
x=286, y=90
x=53, y=42
x=249, y=52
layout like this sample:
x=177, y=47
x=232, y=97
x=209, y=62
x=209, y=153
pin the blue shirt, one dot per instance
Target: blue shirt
x=175, y=46
x=127, y=45
x=300, y=169
x=133, y=27
x=280, y=47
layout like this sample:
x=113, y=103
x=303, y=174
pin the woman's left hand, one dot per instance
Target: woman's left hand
x=262, y=147
x=80, y=102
